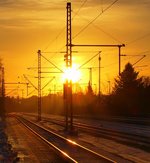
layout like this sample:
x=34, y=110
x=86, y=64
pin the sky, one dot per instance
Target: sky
x=29, y=25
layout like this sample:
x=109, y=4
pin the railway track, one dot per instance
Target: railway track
x=141, y=142
x=131, y=139
x=65, y=147
x=128, y=120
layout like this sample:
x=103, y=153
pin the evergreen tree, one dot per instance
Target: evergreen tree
x=1, y=78
x=126, y=91
x=145, y=96
x=2, y=96
x=127, y=81
x=89, y=89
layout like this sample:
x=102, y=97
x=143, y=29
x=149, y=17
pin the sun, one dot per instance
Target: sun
x=72, y=74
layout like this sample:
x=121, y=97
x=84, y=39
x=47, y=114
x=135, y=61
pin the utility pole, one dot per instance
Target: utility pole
x=91, y=71
x=99, y=59
x=90, y=68
x=39, y=80
x=39, y=85
x=90, y=75
x=68, y=58
x=3, y=84
x=68, y=84
x=119, y=59
x=109, y=87
x=2, y=88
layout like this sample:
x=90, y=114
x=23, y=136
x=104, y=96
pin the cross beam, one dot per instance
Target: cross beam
x=109, y=45
x=27, y=84
x=98, y=45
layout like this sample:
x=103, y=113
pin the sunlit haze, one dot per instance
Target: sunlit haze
x=72, y=74
x=27, y=26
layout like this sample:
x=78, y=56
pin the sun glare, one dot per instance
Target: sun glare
x=72, y=74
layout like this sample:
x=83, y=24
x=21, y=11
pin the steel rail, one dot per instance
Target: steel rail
x=59, y=151
x=65, y=142
x=142, y=142
x=132, y=139
x=116, y=134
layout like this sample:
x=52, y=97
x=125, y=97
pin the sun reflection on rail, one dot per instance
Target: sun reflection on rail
x=73, y=142
x=65, y=154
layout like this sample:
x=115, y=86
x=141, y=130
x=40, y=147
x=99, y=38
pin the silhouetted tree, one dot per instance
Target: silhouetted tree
x=89, y=89
x=126, y=91
x=127, y=81
x=2, y=98
x=145, y=96
x=89, y=99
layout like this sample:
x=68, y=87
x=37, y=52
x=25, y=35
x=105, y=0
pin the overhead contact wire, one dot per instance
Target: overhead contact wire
x=95, y=19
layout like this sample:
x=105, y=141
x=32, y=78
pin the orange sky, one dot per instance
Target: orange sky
x=29, y=25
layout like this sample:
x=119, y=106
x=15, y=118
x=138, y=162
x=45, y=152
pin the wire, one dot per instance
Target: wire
x=139, y=38
x=95, y=19
x=79, y=9
x=52, y=63
x=59, y=34
x=100, y=29
x=89, y=60
x=64, y=29
x=48, y=82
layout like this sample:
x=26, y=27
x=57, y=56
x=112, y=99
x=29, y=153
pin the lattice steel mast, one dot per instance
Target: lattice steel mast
x=39, y=85
x=68, y=84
